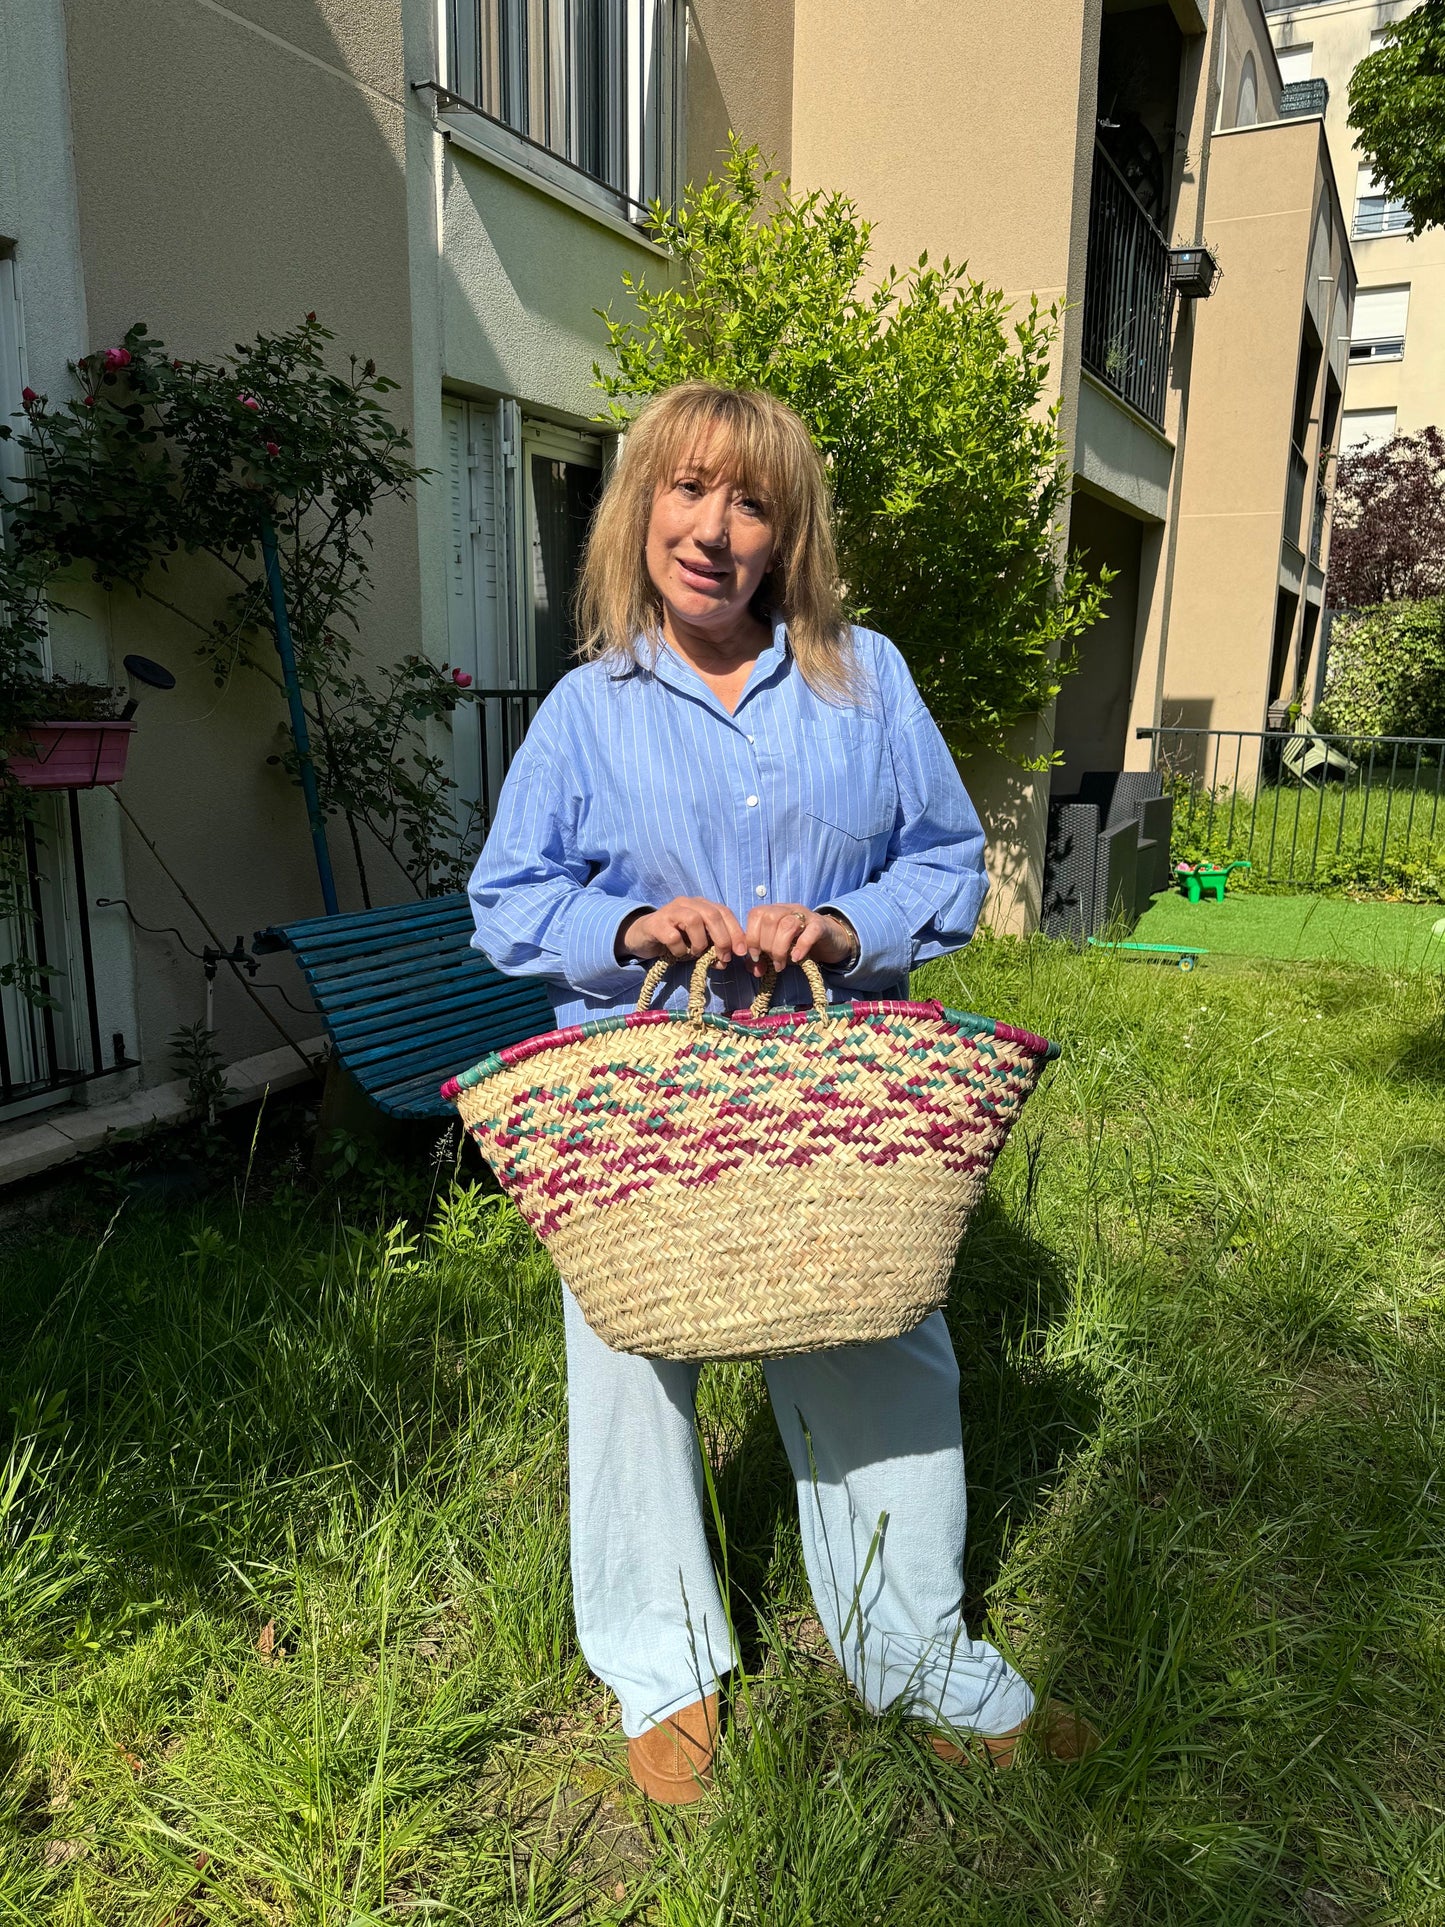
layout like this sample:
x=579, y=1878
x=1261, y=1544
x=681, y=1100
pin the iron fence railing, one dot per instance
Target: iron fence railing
x=1126, y=294
x=1305, y=808
x=51, y=1044
x=1304, y=97
x=505, y=715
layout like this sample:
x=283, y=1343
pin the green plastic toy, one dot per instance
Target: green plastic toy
x=1195, y=880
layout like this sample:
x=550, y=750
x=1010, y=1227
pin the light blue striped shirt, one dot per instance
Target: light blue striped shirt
x=630, y=789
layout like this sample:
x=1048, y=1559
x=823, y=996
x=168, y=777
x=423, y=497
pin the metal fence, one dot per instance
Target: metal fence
x=1126, y=294
x=1305, y=808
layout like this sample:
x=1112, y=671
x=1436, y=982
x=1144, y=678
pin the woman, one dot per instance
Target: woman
x=734, y=767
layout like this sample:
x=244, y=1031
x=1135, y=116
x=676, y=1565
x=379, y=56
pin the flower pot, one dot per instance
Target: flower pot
x=71, y=756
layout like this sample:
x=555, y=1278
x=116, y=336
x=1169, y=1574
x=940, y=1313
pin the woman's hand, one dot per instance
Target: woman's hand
x=683, y=928
x=784, y=933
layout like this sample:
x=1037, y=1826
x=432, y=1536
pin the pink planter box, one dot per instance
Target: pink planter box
x=71, y=756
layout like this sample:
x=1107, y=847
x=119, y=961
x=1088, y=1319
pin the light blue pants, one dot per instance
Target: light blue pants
x=872, y=1433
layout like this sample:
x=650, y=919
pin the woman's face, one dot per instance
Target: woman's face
x=708, y=546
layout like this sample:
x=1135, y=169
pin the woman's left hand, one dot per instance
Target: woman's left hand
x=784, y=933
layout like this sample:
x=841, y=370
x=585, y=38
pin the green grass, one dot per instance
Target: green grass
x=1387, y=936
x=284, y=1615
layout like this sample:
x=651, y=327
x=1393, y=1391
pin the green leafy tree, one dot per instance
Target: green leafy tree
x=1397, y=110
x=154, y=456
x=927, y=404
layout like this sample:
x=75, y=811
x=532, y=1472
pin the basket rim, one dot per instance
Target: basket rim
x=857, y=1010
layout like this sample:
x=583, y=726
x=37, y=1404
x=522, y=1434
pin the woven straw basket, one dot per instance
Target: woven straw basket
x=737, y=1187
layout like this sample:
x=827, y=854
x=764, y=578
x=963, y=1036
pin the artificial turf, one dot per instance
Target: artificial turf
x=1384, y=936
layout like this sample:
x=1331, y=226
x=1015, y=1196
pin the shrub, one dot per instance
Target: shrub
x=1386, y=674
x=924, y=396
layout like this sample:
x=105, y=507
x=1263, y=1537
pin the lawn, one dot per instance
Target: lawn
x=1388, y=936
x=284, y=1618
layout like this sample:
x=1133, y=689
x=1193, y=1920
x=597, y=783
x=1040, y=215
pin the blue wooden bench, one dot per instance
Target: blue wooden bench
x=406, y=1000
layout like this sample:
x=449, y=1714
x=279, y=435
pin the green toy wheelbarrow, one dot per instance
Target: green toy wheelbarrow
x=1196, y=880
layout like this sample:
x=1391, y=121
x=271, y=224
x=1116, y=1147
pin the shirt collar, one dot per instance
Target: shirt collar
x=773, y=663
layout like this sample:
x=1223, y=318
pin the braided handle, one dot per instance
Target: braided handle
x=697, y=991
x=762, y=1003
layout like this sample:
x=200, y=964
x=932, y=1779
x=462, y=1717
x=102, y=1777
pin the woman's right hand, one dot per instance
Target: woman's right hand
x=683, y=928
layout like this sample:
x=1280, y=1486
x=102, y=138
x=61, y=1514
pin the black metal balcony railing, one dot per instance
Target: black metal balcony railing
x=1126, y=295
x=1317, y=522
x=1303, y=97
x=1294, y=496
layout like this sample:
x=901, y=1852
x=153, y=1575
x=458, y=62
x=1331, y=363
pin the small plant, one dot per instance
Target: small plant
x=195, y=1057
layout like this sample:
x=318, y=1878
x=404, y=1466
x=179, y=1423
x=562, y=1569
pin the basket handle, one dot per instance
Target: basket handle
x=697, y=992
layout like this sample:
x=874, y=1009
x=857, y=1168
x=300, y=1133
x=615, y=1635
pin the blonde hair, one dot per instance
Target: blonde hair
x=758, y=442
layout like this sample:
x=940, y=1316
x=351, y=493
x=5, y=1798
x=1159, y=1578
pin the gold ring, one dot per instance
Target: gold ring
x=801, y=917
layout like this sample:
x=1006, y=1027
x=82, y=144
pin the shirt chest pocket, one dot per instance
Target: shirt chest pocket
x=846, y=778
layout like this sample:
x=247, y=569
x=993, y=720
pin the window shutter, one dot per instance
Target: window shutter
x=1381, y=313
x=1296, y=63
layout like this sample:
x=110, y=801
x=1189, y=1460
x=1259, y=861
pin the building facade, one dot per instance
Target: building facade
x=457, y=189
x=1396, y=379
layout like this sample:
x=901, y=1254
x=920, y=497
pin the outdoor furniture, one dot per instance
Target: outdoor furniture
x=406, y=1000
x=1197, y=879
x=1107, y=853
x=1309, y=755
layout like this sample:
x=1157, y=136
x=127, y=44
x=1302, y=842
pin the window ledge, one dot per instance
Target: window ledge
x=534, y=166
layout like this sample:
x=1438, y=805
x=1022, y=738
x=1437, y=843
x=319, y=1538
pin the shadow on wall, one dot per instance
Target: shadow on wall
x=1013, y=808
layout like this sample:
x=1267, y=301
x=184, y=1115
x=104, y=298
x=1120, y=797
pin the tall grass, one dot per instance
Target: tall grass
x=284, y=1615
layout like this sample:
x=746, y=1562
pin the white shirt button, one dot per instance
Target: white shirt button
x=752, y=739
x=761, y=891
x=752, y=802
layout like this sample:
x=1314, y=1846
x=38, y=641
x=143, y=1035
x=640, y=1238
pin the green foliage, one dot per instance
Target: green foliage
x=1397, y=110
x=1386, y=673
x=945, y=469
x=194, y=1056
x=155, y=457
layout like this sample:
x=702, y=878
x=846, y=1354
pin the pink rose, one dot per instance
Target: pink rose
x=461, y=679
x=117, y=358
x=28, y=395
x=273, y=448
x=249, y=401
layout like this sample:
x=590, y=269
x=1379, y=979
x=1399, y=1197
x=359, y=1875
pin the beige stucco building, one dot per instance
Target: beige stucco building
x=1397, y=349
x=456, y=195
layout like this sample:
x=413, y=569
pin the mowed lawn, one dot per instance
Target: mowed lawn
x=284, y=1614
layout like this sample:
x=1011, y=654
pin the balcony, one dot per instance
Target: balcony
x=1126, y=295
x=1294, y=496
x=1303, y=97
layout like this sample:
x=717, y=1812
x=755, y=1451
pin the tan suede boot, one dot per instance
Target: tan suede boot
x=672, y=1762
x=1056, y=1731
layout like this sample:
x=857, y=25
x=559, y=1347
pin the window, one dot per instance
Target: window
x=1378, y=36
x=1375, y=213
x=520, y=498
x=1223, y=66
x=1246, y=113
x=12, y=365
x=592, y=83
x=1378, y=333
x=1296, y=63
x=1364, y=425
